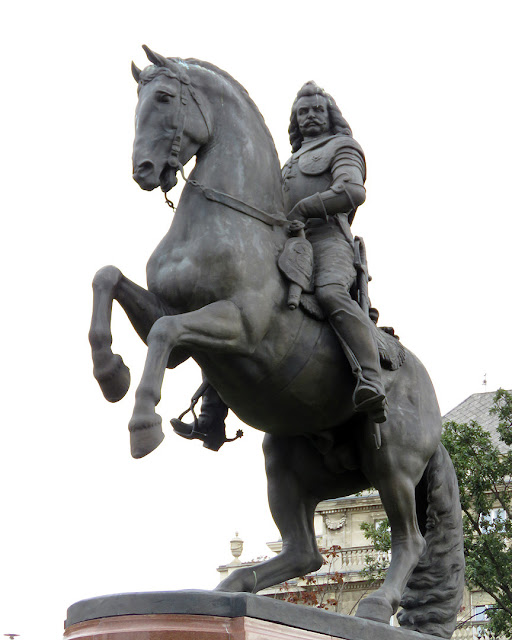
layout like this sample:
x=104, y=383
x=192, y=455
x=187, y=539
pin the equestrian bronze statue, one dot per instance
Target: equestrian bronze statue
x=261, y=282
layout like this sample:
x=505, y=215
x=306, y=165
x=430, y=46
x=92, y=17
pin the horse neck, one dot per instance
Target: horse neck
x=240, y=157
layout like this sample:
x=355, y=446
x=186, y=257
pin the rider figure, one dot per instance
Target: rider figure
x=323, y=187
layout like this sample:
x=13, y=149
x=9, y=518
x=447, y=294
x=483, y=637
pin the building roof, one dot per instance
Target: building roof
x=477, y=408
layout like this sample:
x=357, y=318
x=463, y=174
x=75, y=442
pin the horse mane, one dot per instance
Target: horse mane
x=234, y=83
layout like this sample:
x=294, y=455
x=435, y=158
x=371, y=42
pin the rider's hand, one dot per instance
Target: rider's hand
x=295, y=215
x=310, y=207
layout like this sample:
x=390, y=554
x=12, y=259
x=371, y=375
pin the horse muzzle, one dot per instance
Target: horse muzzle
x=145, y=175
x=147, y=178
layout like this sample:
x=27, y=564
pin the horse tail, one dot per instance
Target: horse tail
x=433, y=595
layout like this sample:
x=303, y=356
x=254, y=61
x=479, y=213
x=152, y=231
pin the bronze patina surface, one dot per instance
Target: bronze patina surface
x=336, y=422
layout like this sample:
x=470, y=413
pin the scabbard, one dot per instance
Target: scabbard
x=361, y=266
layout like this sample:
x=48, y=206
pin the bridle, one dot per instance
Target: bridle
x=186, y=91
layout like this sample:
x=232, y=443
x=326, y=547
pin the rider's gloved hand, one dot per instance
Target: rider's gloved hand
x=310, y=207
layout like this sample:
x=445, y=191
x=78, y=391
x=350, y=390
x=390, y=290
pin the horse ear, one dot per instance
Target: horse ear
x=155, y=58
x=135, y=72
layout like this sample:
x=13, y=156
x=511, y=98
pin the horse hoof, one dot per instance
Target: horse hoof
x=237, y=584
x=114, y=379
x=145, y=435
x=375, y=608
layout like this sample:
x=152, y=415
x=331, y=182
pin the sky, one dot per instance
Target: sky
x=425, y=88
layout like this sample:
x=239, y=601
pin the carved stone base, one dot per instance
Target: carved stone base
x=179, y=627
x=207, y=615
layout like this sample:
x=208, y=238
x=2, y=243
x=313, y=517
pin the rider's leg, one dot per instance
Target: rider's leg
x=210, y=426
x=354, y=330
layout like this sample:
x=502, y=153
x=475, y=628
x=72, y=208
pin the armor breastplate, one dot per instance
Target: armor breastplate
x=308, y=170
x=297, y=185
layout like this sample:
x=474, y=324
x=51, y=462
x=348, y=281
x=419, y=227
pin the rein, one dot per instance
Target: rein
x=233, y=203
x=238, y=205
x=214, y=195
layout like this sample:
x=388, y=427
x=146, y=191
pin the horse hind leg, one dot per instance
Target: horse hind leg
x=397, y=492
x=142, y=309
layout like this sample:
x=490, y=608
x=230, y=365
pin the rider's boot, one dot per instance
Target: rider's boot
x=210, y=426
x=355, y=333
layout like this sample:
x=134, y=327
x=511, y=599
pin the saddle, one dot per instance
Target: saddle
x=296, y=265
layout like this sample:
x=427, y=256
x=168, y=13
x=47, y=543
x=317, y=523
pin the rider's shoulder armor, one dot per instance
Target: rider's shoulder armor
x=319, y=158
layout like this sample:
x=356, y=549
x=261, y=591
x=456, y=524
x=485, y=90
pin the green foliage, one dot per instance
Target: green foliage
x=484, y=471
x=379, y=535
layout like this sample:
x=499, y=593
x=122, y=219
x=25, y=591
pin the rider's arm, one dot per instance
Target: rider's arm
x=345, y=194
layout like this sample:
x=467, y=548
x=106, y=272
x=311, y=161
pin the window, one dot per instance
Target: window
x=479, y=613
x=494, y=521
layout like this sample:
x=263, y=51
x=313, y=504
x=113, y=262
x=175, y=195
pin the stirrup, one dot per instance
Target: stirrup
x=185, y=430
x=210, y=440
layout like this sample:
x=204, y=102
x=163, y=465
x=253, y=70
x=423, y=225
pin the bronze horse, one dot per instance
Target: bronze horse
x=215, y=294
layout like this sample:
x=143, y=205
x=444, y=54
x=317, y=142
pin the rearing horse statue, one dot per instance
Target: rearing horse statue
x=214, y=293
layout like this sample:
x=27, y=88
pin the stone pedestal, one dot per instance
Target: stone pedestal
x=206, y=615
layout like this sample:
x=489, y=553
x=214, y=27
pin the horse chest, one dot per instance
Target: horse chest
x=188, y=280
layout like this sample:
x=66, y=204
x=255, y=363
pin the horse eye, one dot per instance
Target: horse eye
x=163, y=97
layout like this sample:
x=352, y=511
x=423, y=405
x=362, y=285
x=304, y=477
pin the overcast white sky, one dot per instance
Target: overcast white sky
x=426, y=89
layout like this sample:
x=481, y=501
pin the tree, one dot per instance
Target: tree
x=484, y=472
x=379, y=534
x=322, y=591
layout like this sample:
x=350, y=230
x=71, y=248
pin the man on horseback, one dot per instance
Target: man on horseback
x=323, y=185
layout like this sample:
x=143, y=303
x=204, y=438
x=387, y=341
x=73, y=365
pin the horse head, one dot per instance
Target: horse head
x=171, y=123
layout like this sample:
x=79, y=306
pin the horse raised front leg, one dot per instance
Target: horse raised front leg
x=142, y=308
x=216, y=327
x=397, y=493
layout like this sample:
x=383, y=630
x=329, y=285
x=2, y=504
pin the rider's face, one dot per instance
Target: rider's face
x=312, y=116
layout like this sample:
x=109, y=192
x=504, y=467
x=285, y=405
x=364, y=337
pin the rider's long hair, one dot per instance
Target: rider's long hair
x=336, y=120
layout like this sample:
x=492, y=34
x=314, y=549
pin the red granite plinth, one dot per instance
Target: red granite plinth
x=215, y=615
x=186, y=627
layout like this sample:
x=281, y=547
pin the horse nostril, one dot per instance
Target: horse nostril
x=143, y=169
x=145, y=176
